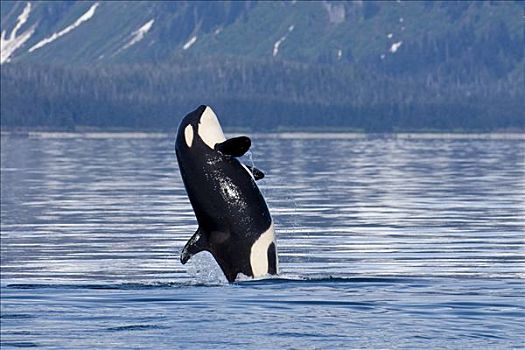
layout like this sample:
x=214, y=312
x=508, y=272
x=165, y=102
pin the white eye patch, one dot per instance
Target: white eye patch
x=188, y=135
x=210, y=130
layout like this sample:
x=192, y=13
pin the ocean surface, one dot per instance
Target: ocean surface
x=384, y=242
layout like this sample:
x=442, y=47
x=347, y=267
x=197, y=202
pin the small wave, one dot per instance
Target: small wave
x=268, y=280
x=134, y=327
x=284, y=279
x=20, y=344
x=15, y=316
x=113, y=286
x=323, y=279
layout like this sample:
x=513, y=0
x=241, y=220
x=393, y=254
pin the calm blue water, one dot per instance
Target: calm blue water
x=404, y=242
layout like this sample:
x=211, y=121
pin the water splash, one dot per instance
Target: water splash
x=249, y=155
x=203, y=269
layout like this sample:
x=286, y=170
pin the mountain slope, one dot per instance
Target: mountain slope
x=358, y=65
x=325, y=32
x=109, y=27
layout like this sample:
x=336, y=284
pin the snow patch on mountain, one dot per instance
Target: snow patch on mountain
x=190, y=42
x=395, y=46
x=281, y=40
x=139, y=34
x=9, y=45
x=277, y=44
x=85, y=17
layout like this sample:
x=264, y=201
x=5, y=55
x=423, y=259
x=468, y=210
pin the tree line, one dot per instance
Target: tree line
x=261, y=95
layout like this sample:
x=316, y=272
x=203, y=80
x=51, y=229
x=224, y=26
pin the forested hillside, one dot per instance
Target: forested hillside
x=371, y=66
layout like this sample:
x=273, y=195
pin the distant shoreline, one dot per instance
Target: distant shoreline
x=506, y=135
x=246, y=130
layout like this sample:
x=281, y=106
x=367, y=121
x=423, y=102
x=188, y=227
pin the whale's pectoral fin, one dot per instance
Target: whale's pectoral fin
x=197, y=243
x=257, y=174
x=235, y=147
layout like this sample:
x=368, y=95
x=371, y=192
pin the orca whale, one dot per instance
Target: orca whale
x=235, y=225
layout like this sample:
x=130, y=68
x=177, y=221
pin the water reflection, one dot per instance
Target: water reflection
x=406, y=242
x=112, y=208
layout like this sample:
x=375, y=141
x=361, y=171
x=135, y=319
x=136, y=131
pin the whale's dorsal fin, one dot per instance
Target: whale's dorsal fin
x=234, y=147
x=257, y=174
x=196, y=244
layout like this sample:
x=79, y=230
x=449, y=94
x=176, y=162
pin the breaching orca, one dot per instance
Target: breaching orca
x=235, y=225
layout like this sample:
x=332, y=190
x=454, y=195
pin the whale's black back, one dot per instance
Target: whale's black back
x=232, y=199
